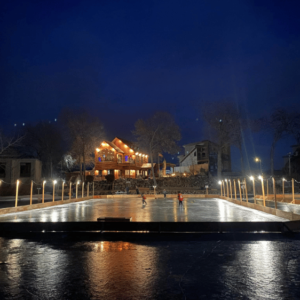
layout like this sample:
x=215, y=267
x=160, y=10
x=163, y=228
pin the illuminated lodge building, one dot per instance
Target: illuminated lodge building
x=120, y=158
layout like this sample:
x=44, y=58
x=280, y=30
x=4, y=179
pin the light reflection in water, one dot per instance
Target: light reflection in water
x=258, y=268
x=135, y=269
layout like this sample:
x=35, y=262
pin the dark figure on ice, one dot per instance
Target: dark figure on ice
x=165, y=193
x=180, y=198
x=137, y=189
x=144, y=199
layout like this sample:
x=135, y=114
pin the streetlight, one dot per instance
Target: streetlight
x=77, y=188
x=262, y=188
x=43, y=191
x=283, y=180
x=53, y=197
x=227, y=187
x=154, y=187
x=257, y=159
x=253, y=180
x=220, y=183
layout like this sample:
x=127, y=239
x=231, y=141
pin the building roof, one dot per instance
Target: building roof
x=128, y=143
x=114, y=146
x=199, y=143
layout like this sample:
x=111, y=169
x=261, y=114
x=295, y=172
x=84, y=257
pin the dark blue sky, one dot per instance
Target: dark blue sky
x=122, y=60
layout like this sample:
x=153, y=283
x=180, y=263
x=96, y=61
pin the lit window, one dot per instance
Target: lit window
x=126, y=172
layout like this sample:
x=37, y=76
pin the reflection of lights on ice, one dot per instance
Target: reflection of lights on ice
x=54, y=216
x=43, y=218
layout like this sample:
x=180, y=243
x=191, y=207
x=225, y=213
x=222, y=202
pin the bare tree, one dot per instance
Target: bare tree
x=44, y=141
x=278, y=124
x=157, y=134
x=294, y=126
x=83, y=133
x=7, y=142
x=224, y=127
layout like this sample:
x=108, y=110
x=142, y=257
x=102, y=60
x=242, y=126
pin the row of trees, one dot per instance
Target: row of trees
x=228, y=125
x=60, y=145
x=73, y=139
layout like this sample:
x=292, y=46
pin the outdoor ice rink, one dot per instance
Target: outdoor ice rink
x=164, y=210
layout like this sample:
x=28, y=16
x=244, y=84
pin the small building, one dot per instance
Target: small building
x=120, y=158
x=203, y=157
x=23, y=169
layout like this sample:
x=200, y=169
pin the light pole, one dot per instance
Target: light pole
x=227, y=188
x=253, y=180
x=77, y=188
x=257, y=159
x=43, y=191
x=220, y=183
x=53, y=197
x=17, y=192
x=263, y=189
x=283, y=180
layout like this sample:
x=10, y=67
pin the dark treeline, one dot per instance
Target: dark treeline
x=69, y=143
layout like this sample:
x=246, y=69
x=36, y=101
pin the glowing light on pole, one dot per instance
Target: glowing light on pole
x=283, y=180
x=274, y=191
x=234, y=184
x=53, y=196
x=17, y=192
x=293, y=190
x=43, y=191
x=77, y=188
x=62, y=190
x=253, y=180
x=227, y=188
x=263, y=189
x=239, y=182
x=70, y=191
x=246, y=191
x=31, y=191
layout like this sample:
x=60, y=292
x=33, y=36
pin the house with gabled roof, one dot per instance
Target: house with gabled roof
x=120, y=158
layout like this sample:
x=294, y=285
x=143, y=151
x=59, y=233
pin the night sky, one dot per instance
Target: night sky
x=123, y=60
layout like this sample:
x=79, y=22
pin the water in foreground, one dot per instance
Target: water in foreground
x=144, y=267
